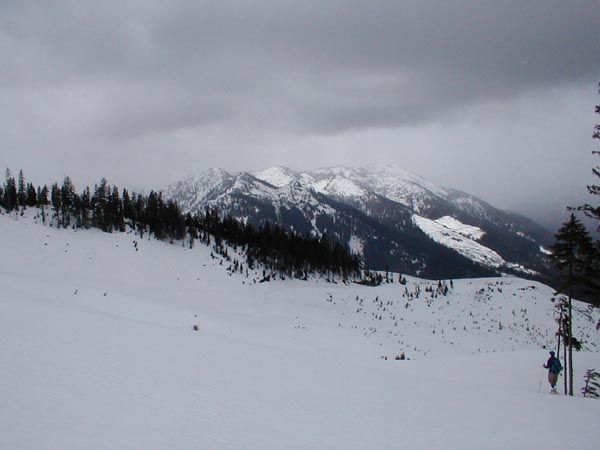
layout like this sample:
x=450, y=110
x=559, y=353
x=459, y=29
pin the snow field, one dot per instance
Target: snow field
x=97, y=351
x=463, y=243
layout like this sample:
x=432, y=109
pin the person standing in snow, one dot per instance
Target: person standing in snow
x=554, y=367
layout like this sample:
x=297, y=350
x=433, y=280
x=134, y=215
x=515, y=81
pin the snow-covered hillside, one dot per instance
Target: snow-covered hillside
x=387, y=180
x=98, y=350
x=448, y=232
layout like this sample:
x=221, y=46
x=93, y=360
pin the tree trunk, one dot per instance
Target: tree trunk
x=560, y=330
x=570, y=346
x=566, y=365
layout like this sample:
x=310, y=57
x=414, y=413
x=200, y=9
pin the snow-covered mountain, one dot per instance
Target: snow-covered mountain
x=111, y=341
x=397, y=220
x=194, y=191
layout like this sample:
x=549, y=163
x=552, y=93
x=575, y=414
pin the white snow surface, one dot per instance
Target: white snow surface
x=97, y=351
x=357, y=182
x=387, y=180
x=339, y=186
x=356, y=245
x=393, y=178
x=469, y=231
x=456, y=239
x=277, y=176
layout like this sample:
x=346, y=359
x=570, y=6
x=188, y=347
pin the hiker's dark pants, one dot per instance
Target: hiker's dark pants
x=552, y=378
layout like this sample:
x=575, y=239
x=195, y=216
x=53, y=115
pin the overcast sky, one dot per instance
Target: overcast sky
x=492, y=97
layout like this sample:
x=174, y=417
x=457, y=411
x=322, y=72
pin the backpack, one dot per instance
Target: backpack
x=556, y=366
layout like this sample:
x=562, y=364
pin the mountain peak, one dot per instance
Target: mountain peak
x=278, y=176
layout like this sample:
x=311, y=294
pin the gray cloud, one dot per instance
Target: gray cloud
x=184, y=85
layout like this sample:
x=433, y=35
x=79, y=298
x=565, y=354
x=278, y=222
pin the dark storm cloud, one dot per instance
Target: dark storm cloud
x=339, y=65
x=326, y=66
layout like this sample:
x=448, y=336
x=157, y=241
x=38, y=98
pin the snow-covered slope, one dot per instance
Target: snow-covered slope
x=450, y=234
x=97, y=350
x=468, y=231
x=193, y=192
x=389, y=181
x=277, y=176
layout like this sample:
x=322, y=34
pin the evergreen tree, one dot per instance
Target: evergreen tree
x=42, y=196
x=116, y=210
x=594, y=189
x=42, y=201
x=572, y=254
x=593, y=211
x=100, y=217
x=192, y=229
x=31, y=200
x=21, y=190
x=55, y=200
x=10, y=201
x=154, y=215
x=592, y=386
x=140, y=213
x=128, y=209
x=85, y=208
x=67, y=201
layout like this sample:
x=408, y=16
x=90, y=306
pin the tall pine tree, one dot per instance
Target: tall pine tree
x=21, y=190
x=594, y=189
x=593, y=211
x=10, y=200
x=572, y=254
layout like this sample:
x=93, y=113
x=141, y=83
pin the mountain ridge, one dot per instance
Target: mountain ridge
x=346, y=202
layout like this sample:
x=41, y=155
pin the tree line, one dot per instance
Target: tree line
x=112, y=210
x=279, y=250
